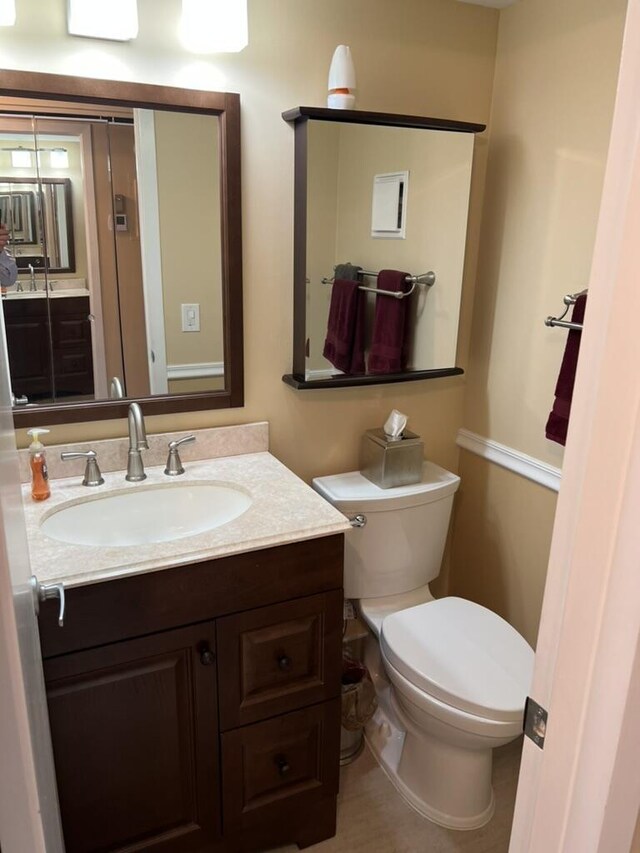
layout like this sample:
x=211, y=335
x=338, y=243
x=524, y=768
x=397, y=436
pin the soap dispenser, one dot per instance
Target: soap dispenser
x=40, y=490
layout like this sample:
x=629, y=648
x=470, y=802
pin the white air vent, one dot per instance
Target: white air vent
x=389, y=205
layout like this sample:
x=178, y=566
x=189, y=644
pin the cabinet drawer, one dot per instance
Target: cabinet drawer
x=279, y=658
x=276, y=769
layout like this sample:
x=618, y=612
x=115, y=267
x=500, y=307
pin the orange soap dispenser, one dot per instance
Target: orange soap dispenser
x=40, y=490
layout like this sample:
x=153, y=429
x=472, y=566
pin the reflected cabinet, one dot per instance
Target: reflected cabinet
x=381, y=206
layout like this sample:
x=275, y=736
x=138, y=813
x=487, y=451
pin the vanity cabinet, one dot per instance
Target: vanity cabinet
x=197, y=708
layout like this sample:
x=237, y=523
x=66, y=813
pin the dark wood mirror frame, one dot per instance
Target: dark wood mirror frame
x=225, y=105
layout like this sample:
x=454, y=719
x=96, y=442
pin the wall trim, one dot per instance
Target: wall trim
x=514, y=460
x=196, y=370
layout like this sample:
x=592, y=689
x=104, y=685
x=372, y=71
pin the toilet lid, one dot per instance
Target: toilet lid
x=463, y=654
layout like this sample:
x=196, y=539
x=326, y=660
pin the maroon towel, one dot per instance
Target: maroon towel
x=344, y=344
x=558, y=422
x=388, y=353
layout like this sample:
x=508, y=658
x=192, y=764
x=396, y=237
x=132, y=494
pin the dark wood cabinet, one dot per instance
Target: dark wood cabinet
x=49, y=344
x=135, y=743
x=187, y=718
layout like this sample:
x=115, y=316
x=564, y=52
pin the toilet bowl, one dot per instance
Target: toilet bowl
x=451, y=676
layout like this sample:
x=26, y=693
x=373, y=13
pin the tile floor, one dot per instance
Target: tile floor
x=372, y=818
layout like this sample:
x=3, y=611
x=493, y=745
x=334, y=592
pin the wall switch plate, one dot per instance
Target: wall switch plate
x=191, y=317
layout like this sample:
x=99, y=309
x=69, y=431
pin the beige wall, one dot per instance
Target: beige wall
x=189, y=212
x=556, y=72
x=500, y=549
x=442, y=57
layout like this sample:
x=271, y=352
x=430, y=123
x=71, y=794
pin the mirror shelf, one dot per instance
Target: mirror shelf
x=194, y=372
x=377, y=191
x=302, y=384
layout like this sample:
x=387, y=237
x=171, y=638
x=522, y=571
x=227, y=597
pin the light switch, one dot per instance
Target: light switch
x=191, y=317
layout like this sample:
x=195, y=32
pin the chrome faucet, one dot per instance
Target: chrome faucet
x=137, y=442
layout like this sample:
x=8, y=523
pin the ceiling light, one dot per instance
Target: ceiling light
x=116, y=20
x=214, y=26
x=7, y=13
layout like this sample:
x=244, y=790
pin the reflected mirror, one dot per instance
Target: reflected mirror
x=27, y=229
x=379, y=195
x=119, y=222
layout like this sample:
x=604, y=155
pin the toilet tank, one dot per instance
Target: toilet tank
x=400, y=547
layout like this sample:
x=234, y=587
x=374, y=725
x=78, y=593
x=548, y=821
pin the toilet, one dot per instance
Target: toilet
x=451, y=676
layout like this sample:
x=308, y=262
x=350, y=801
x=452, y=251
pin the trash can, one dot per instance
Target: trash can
x=359, y=703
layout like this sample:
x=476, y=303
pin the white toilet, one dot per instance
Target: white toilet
x=451, y=676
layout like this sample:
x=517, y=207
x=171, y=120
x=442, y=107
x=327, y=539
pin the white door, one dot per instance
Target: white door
x=29, y=814
x=580, y=794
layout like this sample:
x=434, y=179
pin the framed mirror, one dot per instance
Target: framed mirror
x=28, y=208
x=381, y=206
x=122, y=203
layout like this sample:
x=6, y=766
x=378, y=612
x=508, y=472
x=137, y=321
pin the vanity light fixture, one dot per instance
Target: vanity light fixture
x=115, y=20
x=59, y=158
x=7, y=13
x=214, y=26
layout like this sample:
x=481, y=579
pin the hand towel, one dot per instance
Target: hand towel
x=388, y=353
x=556, y=429
x=348, y=272
x=344, y=343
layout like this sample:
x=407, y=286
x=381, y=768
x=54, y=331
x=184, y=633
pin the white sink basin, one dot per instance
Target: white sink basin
x=143, y=515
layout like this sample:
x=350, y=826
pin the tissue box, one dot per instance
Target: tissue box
x=390, y=462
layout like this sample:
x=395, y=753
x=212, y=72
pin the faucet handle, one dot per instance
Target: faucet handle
x=174, y=464
x=92, y=475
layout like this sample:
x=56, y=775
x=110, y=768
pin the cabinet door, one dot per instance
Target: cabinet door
x=72, y=355
x=27, y=331
x=278, y=658
x=134, y=730
x=281, y=778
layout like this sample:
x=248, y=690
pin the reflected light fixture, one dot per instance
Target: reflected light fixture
x=115, y=20
x=21, y=157
x=7, y=13
x=214, y=26
x=59, y=158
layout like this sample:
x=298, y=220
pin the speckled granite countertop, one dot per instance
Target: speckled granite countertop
x=284, y=509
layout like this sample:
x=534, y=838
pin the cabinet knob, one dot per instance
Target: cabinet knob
x=207, y=657
x=282, y=764
x=284, y=663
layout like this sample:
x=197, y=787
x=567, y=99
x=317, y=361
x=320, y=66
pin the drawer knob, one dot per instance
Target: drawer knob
x=284, y=663
x=207, y=657
x=282, y=764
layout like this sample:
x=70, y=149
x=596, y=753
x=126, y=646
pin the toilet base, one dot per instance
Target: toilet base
x=386, y=735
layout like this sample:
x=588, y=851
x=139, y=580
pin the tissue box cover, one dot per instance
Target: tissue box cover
x=389, y=462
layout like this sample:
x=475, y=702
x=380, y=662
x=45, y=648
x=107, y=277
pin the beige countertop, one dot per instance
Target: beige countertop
x=283, y=509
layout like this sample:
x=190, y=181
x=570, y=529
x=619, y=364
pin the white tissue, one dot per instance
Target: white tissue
x=395, y=424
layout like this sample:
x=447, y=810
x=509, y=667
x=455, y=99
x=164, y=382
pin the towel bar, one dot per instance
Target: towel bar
x=426, y=278
x=569, y=300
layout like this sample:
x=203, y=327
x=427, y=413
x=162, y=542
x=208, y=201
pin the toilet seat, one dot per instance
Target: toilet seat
x=461, y=654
